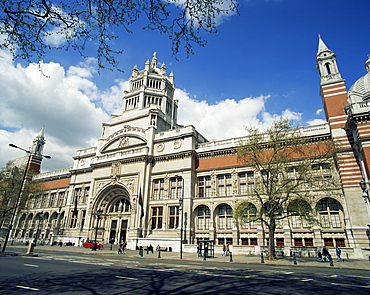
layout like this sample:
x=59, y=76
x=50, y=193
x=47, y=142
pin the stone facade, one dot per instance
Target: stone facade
x=155, y=181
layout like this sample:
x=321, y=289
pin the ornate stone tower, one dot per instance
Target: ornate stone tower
x=36, y=152
x=149, y=101
x=334, y=96
x=335, y=100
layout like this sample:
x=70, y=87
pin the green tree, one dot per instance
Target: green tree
x=31, y=28
x=288, y=168
x=10, y=185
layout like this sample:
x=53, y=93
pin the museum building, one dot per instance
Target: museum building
x=150, y=180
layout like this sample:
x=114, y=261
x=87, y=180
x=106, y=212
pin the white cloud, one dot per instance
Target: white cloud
x=316, y=122
x=60, y=100
x=72, y=108
x=228, y=118
x=319, y=111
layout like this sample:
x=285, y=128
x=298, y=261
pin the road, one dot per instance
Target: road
x=69, y=273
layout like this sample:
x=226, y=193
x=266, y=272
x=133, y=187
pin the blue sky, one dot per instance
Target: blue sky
x=261, y=64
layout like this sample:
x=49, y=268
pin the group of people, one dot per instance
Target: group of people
x=325, y=256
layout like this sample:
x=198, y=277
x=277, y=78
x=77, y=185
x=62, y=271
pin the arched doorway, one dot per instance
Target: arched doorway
x=115, y=203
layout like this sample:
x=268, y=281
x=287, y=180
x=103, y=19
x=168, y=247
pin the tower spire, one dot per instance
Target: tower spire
x=322, y=46
x=327, y=65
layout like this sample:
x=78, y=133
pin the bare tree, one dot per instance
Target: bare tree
x=30, y=28
x=289, y=174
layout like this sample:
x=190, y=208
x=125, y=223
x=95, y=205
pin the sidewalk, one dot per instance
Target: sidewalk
x=248, y=259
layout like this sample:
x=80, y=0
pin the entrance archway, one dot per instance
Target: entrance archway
x=115, y=202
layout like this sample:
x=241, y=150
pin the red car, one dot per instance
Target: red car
x=89, y=244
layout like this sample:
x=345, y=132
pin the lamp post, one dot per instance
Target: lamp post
x=181, y=209
x=20, y=191
x=98, y=215
x=365, y=195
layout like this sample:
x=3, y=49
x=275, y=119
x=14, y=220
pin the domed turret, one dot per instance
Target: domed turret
x=360, y=90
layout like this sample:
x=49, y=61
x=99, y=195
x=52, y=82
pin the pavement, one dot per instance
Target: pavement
x=361, y=264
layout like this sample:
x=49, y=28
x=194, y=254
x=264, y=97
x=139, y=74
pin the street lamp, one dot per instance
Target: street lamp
x=181, y=209
x=20, y=191
x=365, y=194
x=98, y=214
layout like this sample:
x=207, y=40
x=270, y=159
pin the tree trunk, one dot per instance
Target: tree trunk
x=271, y=246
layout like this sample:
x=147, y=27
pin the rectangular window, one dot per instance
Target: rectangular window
x=86, y=195
x=83, y=218
x=221, y=222
x=52, y=199
x=324, y=218
x=340, y=242
x=229, y=241
x=224, y=185
x=176, y=187
x=280, y=242
x=221, y=241
x=158, y=189
x=157, y=216
x=245, y=241
x=328, y=242
x=174, y=217
x=296, y=221
x=335, y=219
x=308, y=242
x=204, y=186
x=254, y=241
x=298, y=242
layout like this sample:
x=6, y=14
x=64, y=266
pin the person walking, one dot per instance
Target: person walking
x=224, y=250
x=325, y=254
x=338, y=252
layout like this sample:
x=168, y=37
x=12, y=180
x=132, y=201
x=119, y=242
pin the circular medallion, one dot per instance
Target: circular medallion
x=160, y=147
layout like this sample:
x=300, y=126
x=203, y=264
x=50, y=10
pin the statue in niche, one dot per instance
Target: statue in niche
x=235, y=181
x=115, y=169
x=123, y=142
x=213, y=184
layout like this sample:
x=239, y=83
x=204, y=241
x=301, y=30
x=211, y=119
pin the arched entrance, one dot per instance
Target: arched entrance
x=115, y=203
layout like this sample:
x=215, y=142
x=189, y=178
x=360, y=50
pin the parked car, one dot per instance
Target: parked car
x=89, y=244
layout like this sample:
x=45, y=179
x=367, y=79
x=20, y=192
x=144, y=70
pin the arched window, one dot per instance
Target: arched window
x=329, y=211
x=203, y=217
x=122, y=205
x=298, y=209
x=249, y=216
x=225, y=216
x=327, y=67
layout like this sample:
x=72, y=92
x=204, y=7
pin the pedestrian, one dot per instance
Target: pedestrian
x=224, y=250
x=319, y=256
x=158, y=247
x=338, y=252
x=325, y=254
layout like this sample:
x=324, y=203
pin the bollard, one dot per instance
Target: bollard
x=204, y=256
x=159, y=253
x=231, y=257
x=30, y=249
x=331, y=262
x=294, y=259
x=141, y=252
x=262, y=260
x=111, y=247
x=147, y=250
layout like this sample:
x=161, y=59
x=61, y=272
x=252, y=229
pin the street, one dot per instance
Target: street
x=71, y=273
